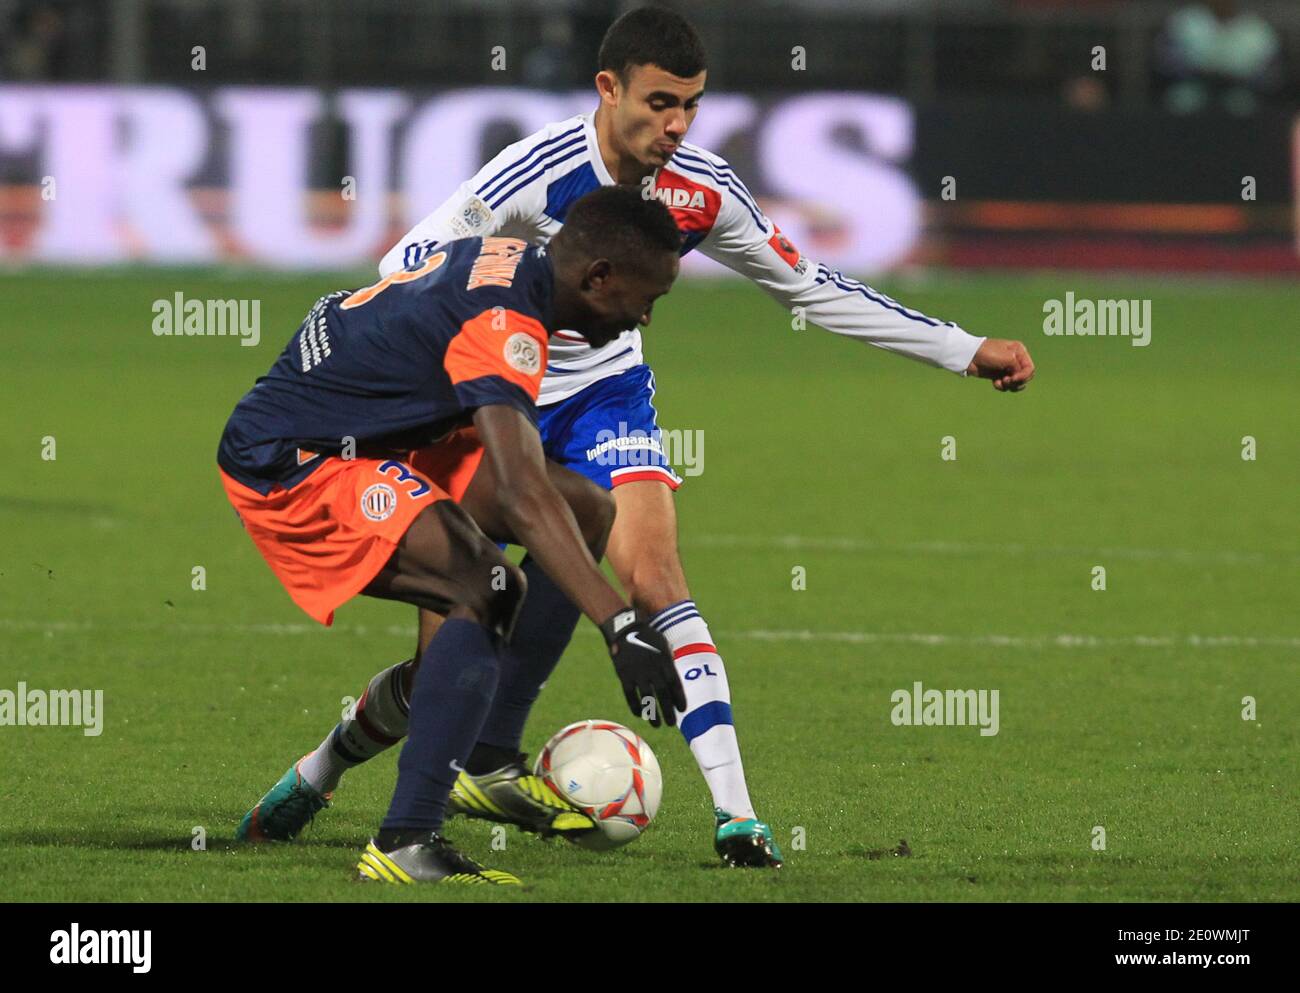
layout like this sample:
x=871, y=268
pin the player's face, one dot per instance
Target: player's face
x=622, y=299
x=654, y=111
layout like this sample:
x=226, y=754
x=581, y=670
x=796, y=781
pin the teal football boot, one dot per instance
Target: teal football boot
x=745, y=842
x=287, y=808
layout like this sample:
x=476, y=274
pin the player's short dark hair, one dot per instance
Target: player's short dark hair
x=652, y=36
x=620, y=224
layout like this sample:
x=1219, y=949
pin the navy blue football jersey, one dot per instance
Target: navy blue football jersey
x=397, y=365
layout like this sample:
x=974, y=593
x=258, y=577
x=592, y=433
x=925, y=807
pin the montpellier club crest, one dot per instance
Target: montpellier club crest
x=378, y=502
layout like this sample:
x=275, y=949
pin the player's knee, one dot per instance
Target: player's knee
x=505, y=603
x=508, y=585
x=498, y=592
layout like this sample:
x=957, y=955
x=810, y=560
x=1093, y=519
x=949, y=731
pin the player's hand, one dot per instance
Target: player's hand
x=644, y=664
x=1005, y=362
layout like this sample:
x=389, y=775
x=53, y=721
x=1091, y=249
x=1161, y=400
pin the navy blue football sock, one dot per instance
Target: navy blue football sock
x=543, y=631
x=452, y=693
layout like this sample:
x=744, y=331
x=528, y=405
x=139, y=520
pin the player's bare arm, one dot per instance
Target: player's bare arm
x=537, y=516
x=541, y=521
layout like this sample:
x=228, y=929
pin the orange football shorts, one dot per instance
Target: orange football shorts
x=327, y=537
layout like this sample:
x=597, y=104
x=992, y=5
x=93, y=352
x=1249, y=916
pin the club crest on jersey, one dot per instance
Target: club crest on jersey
x=522, y=354
x=784, y=247
x=378, y=502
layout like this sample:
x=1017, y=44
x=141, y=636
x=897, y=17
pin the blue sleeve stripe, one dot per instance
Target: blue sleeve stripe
x=705, y=718
x=535, y=168
x=724, y=174
x=542, y=167
x=697, y=154
x=523, y=162
x=825, y=275
x=758, y=219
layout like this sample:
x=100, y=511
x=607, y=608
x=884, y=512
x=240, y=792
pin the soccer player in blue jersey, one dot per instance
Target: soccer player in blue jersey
x=650, y=83
x=432, y=373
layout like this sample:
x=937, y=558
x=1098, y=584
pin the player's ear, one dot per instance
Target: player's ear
x=607, y=86
x=598, y=274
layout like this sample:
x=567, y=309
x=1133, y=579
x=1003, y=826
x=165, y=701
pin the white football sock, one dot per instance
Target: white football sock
x=378, y=722
x=706, y=722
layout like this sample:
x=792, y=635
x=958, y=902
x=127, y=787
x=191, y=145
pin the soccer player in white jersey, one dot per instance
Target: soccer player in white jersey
x=650, y=82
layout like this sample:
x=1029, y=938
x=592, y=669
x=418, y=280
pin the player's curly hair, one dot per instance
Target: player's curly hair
x=619, y=223
x=652, y=36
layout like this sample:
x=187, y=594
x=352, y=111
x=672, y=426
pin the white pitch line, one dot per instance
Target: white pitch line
x=844, y=637
x=797, y=542
x=1023, y=641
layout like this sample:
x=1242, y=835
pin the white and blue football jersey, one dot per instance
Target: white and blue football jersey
x=525, y=191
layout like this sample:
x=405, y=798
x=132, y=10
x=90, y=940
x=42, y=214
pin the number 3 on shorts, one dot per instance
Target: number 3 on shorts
x=404, y=475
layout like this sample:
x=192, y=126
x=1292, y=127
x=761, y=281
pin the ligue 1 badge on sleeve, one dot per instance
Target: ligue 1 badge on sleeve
x=474, y=218
x=522, y=354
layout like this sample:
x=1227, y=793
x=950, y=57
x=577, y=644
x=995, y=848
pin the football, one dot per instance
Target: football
x=610, y=773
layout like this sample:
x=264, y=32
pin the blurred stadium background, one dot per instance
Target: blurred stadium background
x=947, y=151
x=1180, y=154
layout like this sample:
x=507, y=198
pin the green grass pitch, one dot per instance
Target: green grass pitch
x=1119, y=708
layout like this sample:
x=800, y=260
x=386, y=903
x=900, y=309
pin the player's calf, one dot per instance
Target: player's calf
x=488, y=586
x=643, y=552
x=376, y=723
x=381, y=715
x=643, y=547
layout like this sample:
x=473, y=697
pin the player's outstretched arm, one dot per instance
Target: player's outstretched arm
x=1005, y=362
x=539, y=518
x=748, y=243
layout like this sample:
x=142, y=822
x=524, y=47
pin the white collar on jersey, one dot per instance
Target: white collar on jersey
x=593, y=150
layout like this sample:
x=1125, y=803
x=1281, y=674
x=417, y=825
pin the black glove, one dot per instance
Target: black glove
x=644, y=664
